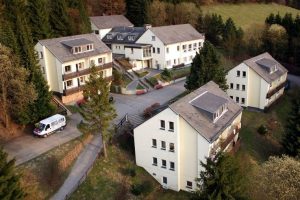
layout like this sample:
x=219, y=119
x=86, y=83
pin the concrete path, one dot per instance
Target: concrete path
x=27, y=147
x=80, y=168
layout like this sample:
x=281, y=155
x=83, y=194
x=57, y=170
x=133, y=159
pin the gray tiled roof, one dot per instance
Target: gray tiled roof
x=120, y=35
x=110, y=21
x=209, y=102
x=176, y=33
x=77, y=42
x=266, y=59
x=199, y=120
x=62, y=52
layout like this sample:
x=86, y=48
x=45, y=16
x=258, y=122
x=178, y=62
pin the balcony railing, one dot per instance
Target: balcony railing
x=85, y=71
x=275, y=90
x=74, y=90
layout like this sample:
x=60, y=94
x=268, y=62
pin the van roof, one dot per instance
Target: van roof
x=51, y=119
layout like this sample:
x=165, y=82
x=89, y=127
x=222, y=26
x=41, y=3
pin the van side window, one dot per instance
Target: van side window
x=61, y=120
x=48, y=126
x=54, y=123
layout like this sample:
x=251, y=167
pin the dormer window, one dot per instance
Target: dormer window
x=211, y=105
x=119, y=37
x=268, y=64
x=109, y=36
x=89, y=47
x=77, y=49
x=131, y=38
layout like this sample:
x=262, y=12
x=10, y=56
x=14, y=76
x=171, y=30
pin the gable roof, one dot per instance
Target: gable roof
x=199, y=120
x=256, y=63
x=60, y=47
x=176, y=33
x=124, y=35
x=110, y=21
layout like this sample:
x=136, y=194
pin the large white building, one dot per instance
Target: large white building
x=257, y=82
x=172, y=45
x=101, y=25
x=155, y=47
x=170, y=145
x=66, y=63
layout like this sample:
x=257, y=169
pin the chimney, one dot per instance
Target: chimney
x=147, y=26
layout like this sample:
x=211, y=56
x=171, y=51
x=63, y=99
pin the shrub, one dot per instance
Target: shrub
x=148, y=112
x=129, y=172
x=81, y=102
x=141, y=188
x=166, y=75
x=262, y=130
x=152, y=81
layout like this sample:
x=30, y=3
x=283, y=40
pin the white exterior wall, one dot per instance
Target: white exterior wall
x=118, y=49
x=102, y=32
x=256, y=87
x=232, y=78
x=144, y=151
x=134, y=53
x=163, y=56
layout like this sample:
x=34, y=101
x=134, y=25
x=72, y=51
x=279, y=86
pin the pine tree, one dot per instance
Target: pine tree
x=10, y=188
x=16, y=93
x=59, y=19
x=136, y=11
x=291, y=140
x=97, y=111
x=39, y=19
x=206, y=67
x=220, y=180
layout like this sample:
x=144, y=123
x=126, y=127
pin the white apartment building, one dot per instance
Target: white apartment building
x=172, y=45
x=170, y=145
x=101, y=25
x=257, y=82
x=66, y=62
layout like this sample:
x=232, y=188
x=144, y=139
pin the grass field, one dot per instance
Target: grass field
x=245, y=15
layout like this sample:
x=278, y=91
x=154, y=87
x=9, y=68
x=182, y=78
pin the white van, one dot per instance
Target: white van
x=49, y=125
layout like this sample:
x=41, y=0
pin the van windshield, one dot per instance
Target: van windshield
x=41, y=126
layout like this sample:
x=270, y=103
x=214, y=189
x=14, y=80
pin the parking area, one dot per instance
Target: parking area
x=134, y=104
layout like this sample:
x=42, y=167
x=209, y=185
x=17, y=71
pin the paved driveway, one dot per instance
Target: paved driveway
x=133, y=104
x=27, y=147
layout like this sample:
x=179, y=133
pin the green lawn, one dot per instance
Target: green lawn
x=260, y=147
x=111, y=179
x=244, y=15
x=179, y=73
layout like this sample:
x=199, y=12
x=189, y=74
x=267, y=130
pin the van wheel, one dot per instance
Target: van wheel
x=46, y=135
x=61, y=128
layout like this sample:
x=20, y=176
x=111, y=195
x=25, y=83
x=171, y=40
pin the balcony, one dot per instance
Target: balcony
x=275, y=90
x=74, y=90
x=223, y=144
x=85, y=71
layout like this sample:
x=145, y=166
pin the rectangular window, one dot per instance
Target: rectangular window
x=89, y=47
x=69, y=83
x=163, y=163
x=237, y=86
x=191, y=58
x=154, y=144
x=244, y=74
x=162, y=124
x=190, y=47
x=178, y=48
x=171, y=126
x=163, y=145
x=92, y=62
x=41, y=55
x=231, y=97
x=174, y=61
x=200, y=44
x=81, y=79
x=131, y=50
x=189, y=184
x=243, y=100
x=238, y=73
x=237, y=99
x=184, y=47
x=172, y=147
x=153, y=49
x=158, y=50
x=80, y=66
x=100, y=60
x=231, y=85
x=172, y=166
x=77, y=49
x=43, y=70
x=165, y=180
x=154, y=161
x=168, y=62
x=153, y=38
x=243, y=87
x=96, y=32
x=68, y=68
x=167, y=49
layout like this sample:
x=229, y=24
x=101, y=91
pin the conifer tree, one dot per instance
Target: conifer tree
x=10, y=188
x=291, y=140
x=59, y=19
x=98, y=112
x=136, y=11
x=206, y=67
x=39, y=19
x=220, y=180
